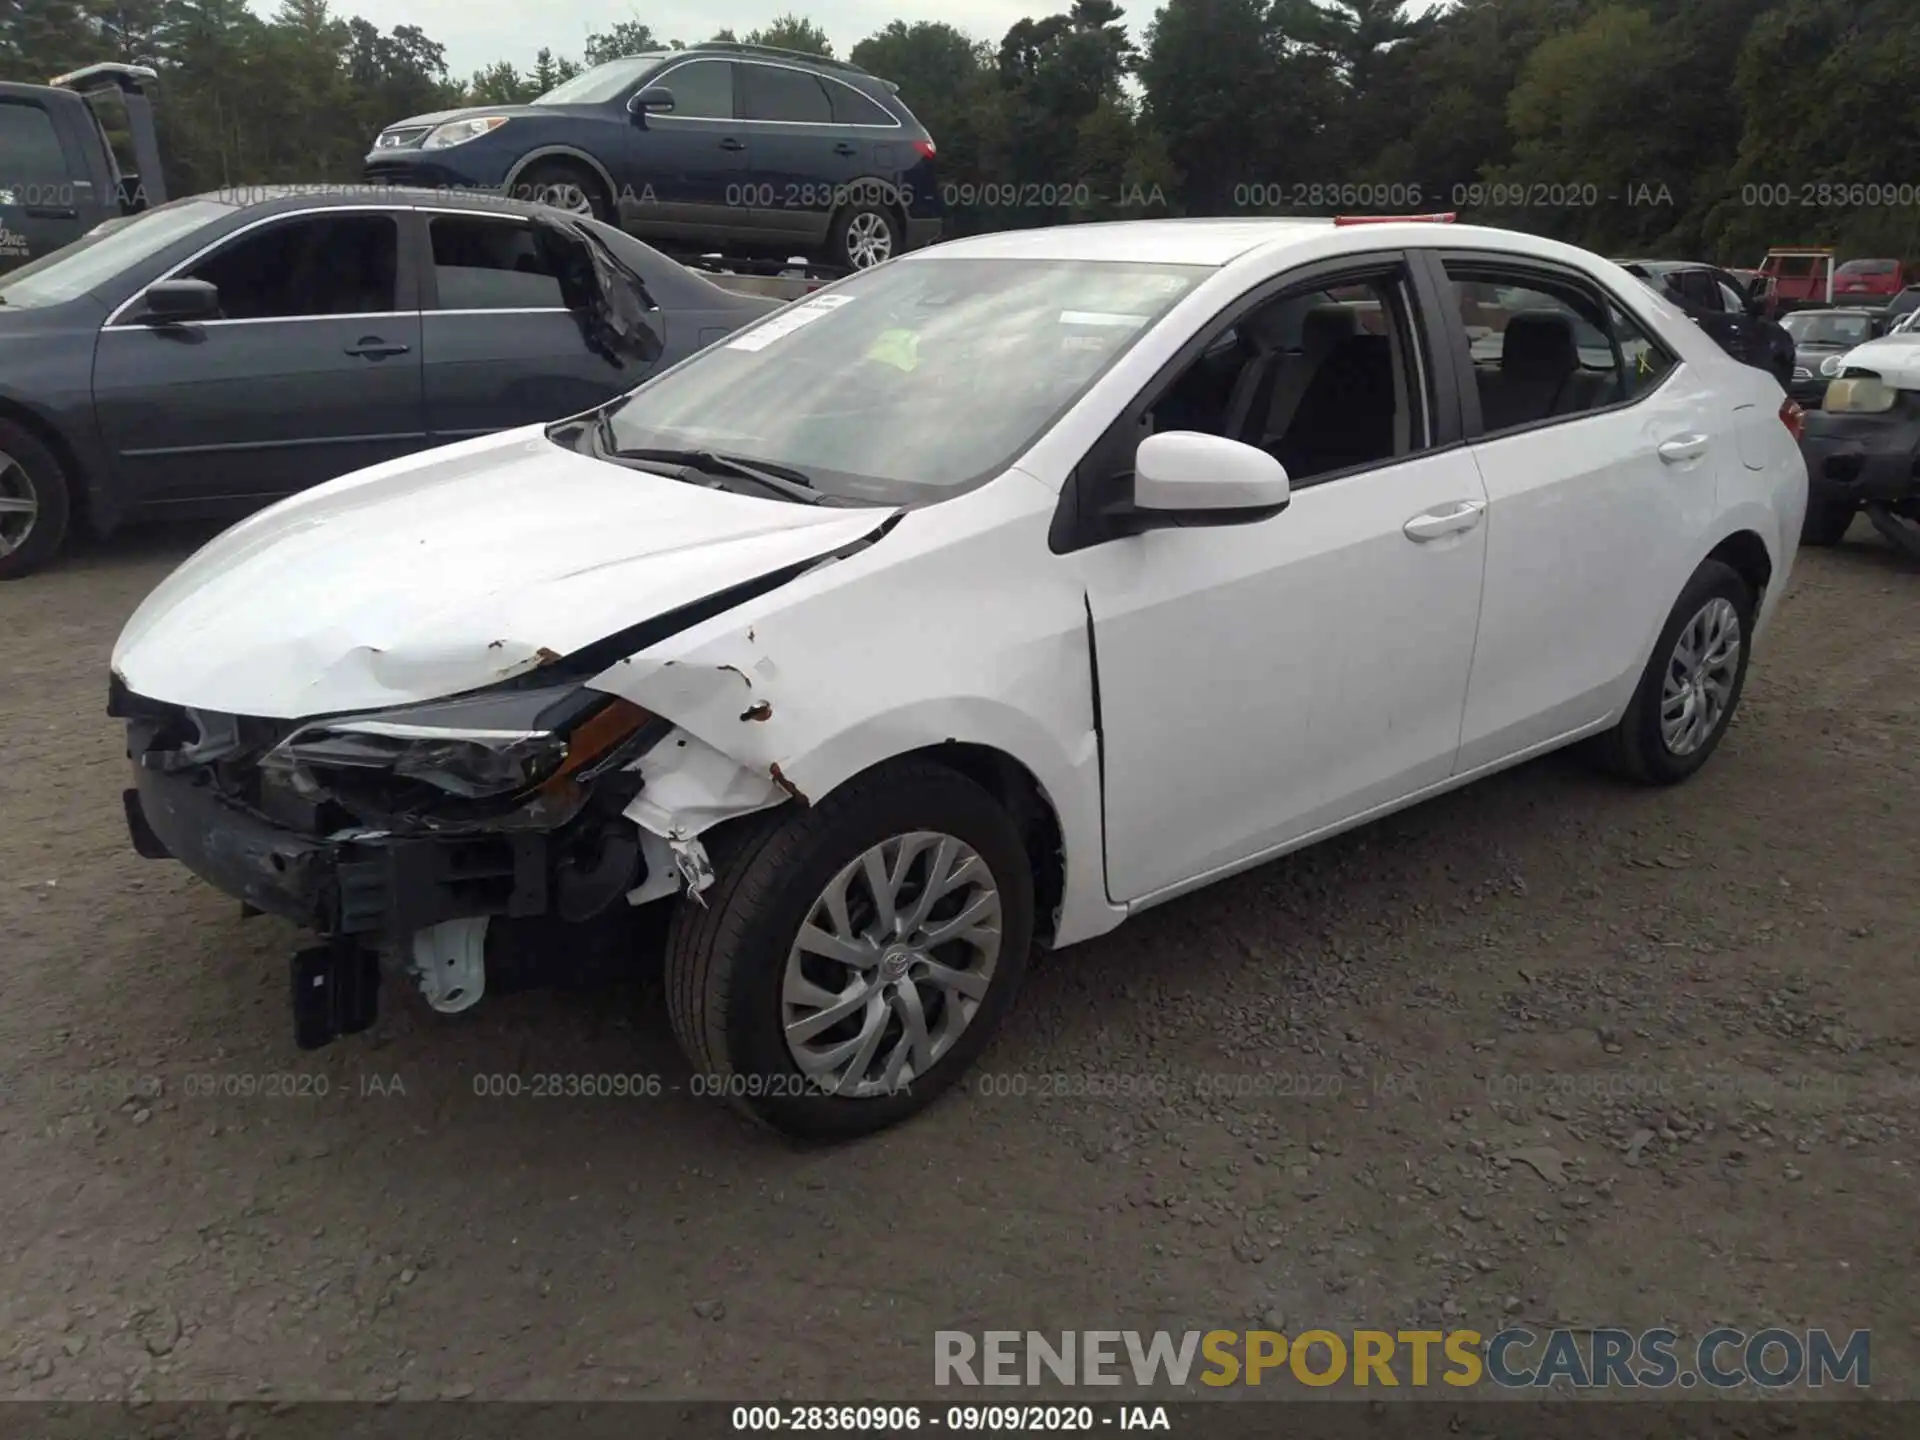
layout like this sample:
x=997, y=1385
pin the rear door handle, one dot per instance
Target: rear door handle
x=372, y=347
x=1682, y=448
x=732, y=144
x=1454, y=519
x=845, y=148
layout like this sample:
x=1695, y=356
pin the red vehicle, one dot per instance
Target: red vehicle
x=1868, y=280
x=1800, y=276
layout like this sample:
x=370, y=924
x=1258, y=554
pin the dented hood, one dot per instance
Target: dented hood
x=448, y=571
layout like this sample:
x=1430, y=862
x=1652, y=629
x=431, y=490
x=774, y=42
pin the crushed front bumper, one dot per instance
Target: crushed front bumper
x=377, y=890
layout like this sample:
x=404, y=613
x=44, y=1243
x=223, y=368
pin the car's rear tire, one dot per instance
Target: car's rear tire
x=1828, y=518
x=565, y=185
x=749, y=1002
x=1692, y=683
x=864, y=233
x=36, y=502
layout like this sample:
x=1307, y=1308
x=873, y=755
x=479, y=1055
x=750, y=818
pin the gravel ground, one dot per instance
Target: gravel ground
x=1549, y=1049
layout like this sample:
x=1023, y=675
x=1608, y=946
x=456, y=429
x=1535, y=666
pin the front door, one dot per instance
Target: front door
x=499, y=346
x=1261, y=682
x=1599, y=452
x=682, y=172
x=313, y=369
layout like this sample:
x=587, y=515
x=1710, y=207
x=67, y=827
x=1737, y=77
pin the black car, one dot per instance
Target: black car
x=1820, y=338
x=212, y=354
x=1719, y=305
x=743, y=146
x=1901, y=305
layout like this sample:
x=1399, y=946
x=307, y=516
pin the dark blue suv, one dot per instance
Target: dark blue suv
x=738, y=147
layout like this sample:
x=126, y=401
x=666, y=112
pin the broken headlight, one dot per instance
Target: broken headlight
x=475, y=747
x=1860, y=395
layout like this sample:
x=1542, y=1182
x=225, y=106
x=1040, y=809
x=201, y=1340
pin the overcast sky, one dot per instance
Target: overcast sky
x=478, y=32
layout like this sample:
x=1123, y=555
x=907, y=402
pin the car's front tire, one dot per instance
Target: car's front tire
x=565, y=185
x=1692, y=683
x=852, y=958
x=35, y=501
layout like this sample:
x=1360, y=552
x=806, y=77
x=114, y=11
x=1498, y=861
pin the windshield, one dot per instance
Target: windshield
x=1868, y=267
x=600, y=84
x=1813, y=328
x=911, y=381
x=104, y=251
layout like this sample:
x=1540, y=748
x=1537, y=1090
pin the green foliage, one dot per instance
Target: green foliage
x=1709, y=128
x=791, y=32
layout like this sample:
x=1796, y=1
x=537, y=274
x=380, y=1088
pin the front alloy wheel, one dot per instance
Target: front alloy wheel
x=19, y=505
x=852, y=957
x=891, y=965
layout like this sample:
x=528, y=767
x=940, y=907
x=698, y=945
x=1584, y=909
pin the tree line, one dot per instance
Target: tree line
x=1691, y=128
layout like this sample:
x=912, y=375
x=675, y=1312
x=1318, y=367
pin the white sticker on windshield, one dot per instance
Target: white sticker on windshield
x=789, y=320
x=1102, y=318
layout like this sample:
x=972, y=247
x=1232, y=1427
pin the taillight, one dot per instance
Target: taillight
x=925, y=147
x=1794, y=418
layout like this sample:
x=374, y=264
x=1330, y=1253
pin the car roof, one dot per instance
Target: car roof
x=270, y=198
x=1217, y=242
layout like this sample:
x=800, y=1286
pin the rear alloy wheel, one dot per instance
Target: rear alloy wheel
x=864, y=236
x=33, y=502
x=853, y=957
x=1692, y=684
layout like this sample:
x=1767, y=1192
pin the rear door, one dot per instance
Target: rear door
x=1599, y=452
x=798, y=160
x=313, y=370
x=500, y=348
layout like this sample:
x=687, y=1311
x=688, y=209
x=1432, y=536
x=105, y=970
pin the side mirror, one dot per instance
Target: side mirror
x=174, y=301
x=1185, y=477
x=654, y=100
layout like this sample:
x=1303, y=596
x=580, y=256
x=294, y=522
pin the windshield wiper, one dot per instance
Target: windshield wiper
x=782, y=481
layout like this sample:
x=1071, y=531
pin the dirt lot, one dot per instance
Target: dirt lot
x=1691, y=1013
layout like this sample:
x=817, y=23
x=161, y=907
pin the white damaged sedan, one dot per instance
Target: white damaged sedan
x=985, y=598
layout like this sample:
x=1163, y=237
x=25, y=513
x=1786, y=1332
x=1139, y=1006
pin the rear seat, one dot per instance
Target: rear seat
x=1539, y=375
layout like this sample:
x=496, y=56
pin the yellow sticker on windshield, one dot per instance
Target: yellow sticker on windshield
x=898, y=348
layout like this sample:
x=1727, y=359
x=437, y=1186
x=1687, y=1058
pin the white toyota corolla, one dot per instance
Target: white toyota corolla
x=990, y=596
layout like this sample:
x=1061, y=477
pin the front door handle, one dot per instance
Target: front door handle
x=1454, y=519
x=372, y=347
x=1683, y=448
x=732, y=144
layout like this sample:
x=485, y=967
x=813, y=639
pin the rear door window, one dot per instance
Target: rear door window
x=482, y=263
x=774, y=92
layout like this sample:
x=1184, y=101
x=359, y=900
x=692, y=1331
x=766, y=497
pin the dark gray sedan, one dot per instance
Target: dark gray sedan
x=215, y=353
